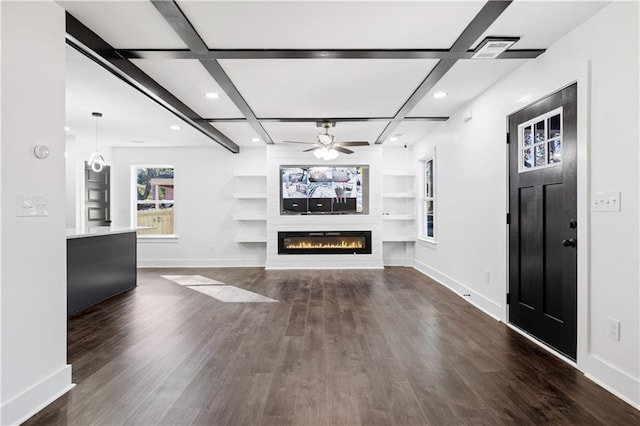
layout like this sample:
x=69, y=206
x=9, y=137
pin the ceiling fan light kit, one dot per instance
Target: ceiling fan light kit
x=326, y=153
x=327, y=148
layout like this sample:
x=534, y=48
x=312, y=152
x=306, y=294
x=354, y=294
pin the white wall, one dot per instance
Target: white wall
x=602, y=56
x=291, y=155
x=204, y=210
x=206, y=181
x=33, y=249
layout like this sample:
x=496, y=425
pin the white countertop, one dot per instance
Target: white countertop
x=95, y=231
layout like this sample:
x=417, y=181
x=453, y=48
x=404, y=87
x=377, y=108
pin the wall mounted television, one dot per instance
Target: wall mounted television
x=324, y=190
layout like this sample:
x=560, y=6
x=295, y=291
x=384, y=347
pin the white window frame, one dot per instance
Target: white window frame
x=134, y=201
x=424, y=198
x=532, y=122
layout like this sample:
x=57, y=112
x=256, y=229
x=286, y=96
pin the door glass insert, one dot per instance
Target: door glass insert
x=540, y=142
x=541, y=155
x=555, y=151
x=527, y=136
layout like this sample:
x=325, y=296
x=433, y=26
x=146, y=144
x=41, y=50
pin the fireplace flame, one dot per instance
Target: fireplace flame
x=343, y=244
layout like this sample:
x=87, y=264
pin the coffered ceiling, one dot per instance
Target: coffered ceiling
x=278, y=67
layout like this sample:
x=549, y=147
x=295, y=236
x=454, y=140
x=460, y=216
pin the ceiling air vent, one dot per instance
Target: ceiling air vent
x=492, y=47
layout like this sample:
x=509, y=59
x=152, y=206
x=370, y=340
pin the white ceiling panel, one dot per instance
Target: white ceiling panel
x=326, y=88
x=125, y=24
x=128, y=114
x=344, y=131
x=540, y=23
x=410, y=132
x=325, y=25
x=241, y=133
x=188, y=80
x=466, y=80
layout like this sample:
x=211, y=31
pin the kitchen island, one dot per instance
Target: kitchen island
x=101, y=263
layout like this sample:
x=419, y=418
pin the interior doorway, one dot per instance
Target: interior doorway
x=97, y=187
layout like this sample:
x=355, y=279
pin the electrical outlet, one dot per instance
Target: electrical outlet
x=614, y=329
x=487, y=276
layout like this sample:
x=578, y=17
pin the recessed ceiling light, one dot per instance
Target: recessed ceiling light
x=211, y=95
x=174, y=127
x=393, y=138
x=440, y=95
x=255, y=139
x=67, y=128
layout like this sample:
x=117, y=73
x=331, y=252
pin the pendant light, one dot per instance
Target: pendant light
x=96, y=160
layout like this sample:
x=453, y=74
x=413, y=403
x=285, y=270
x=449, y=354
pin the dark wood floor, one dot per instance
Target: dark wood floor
x=340, y=348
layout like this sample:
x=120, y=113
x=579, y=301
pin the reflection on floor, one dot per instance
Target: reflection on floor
x=218, y=290
x=229, y=293
x=191, y=280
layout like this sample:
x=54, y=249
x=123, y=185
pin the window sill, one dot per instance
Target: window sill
x=427, y=241
x=158, y=238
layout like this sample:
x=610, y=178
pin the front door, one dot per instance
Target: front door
x=542, y=229
x=97, y=197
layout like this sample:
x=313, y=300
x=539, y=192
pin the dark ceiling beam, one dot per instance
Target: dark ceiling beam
x=95, y=48
x=483, y=20
x=317, y=119
x=317, y=54
x=174, y=16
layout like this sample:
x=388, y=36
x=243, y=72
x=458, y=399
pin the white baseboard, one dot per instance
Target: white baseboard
x=396, y=261
x=284, y=268
x=201, y=263
x=621, y=384
x=24, y=405
x=481, y=302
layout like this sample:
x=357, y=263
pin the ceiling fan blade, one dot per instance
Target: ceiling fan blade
x=306, y=143
x=310, y=149
x=343, y=150
x=353, y=143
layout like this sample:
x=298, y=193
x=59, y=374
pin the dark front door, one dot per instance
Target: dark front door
x=97, y=196
x=542, y=230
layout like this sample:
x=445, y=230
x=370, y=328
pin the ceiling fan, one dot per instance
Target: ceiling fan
x=326, y=147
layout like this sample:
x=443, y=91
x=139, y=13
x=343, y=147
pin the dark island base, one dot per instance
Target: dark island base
x=99, y=267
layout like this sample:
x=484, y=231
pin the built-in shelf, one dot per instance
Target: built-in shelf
x=396, y=238
x=399, y=195
x=398, y=217
x=247, y=216
x=249, y=174
x=250, y=196
x=250, y=239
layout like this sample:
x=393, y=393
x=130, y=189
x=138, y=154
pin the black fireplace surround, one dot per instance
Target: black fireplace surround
x=325, y=242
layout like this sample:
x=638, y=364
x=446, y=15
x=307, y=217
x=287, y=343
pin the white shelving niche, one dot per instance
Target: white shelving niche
x=398, y=217
x=250, y=203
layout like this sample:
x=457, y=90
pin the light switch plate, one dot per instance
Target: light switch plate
x=605, y=202
x=32, y=205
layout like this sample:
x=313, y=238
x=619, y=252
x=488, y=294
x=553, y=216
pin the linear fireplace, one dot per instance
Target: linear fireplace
x=325, y=242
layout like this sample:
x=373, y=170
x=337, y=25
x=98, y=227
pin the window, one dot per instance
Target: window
x=540, y=142
x=428, y=200
x=153, y=199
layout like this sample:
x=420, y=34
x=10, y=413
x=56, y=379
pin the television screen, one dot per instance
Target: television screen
x=324, y=190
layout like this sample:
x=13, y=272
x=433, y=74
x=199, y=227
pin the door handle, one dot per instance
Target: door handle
x=571, y=242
